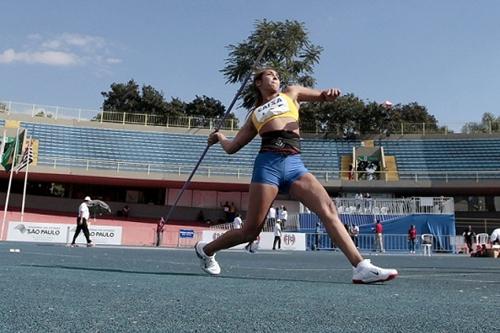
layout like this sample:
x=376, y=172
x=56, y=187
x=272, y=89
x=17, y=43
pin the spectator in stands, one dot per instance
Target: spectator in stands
x=351, y=172
x=412, y=236
x=370, y=171
x=200, y=217
x=495, y=237
x=361, y=170
x=481, y=251
x=237, y=222
x=277, y=235
x=125, y=211
x=379, y=237
x=368, y=203
x=358, y=199
x=469, y=236
x=159, y=231
x=283, y=216
x=278, y=168
x=82, y=222
x=271, y=216
x=317, y=236
x=226, y=208
x=354, y=232
x=232, y=212
x=441, y=204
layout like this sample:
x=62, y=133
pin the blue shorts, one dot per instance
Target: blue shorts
x=278, y=169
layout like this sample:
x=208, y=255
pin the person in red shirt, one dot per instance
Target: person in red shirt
x=379, y=237
x=159, y=230
x=412, y=236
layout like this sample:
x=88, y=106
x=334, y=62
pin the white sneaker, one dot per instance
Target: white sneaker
x=208, y=263
x=366, y=272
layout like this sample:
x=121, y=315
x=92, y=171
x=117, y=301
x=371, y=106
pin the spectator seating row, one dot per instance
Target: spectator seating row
x=164, y=150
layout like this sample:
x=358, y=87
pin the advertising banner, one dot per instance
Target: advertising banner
x=61, y=233
x=37, y=232
x=99, y=234
x=290, y=241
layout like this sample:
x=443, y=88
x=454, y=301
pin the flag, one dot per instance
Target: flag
x=10, y=153
x=26, y=159
x=2, y=146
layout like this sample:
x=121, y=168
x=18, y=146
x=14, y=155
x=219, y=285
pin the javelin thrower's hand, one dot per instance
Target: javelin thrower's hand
x=213, y=138
x=329, y=95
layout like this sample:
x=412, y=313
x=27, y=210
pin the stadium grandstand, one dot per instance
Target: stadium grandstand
x=441, y=182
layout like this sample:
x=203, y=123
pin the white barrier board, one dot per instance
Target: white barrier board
x=37, y=232
x=290, y=241
x=61, y=233
x=99, y=234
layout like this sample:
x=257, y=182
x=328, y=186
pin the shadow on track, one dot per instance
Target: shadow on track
x=110, y=270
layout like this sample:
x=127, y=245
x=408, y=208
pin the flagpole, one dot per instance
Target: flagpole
x=10, y=184
x=25, y=180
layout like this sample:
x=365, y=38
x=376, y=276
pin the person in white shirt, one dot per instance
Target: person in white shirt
x=271, y=215
x=495, y=237
x=237, y=222
x=82, y=222
x=354, y=231
x=277, y=235
x=283, y=216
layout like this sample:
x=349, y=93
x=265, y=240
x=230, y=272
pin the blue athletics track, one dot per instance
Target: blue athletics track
x=53, y=288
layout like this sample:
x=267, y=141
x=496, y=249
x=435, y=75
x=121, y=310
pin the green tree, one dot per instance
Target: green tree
x=489, y=124
x=152, y=101
x=413, y=116
x=123, y=97
x=206, y=108
x=137, y=103
x=339, y=117
x=289, y=51
x=3, y=107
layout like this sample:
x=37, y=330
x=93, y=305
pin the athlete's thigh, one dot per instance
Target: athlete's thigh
x=260, y=199
x=311, y=193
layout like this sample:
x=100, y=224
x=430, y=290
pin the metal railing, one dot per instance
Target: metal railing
x=391, y=243
x=82, y=114
x=147, y=168
x=99, y=116
x=376, y=206
x=291, y=225
x=209, y=171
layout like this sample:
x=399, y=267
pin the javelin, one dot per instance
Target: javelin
x=217, y=127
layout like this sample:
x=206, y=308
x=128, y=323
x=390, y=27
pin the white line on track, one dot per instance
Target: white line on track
x=447, y=275
x=52, y=254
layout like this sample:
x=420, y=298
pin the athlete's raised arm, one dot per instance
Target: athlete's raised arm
x=304, y=94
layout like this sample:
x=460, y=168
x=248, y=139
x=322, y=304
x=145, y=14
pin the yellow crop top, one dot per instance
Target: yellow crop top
x=279, y=107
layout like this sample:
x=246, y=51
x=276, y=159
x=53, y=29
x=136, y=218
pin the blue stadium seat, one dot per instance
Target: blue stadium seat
x=169, y=151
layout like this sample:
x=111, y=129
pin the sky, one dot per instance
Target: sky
x=444, y=54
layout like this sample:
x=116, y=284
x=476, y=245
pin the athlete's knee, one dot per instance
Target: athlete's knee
x=328, y=212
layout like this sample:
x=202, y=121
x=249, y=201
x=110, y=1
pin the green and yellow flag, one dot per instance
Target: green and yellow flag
x=10, y=153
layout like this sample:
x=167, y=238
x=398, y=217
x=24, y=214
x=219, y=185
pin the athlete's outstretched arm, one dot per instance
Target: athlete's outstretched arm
x=304, y=94
x=244, y=136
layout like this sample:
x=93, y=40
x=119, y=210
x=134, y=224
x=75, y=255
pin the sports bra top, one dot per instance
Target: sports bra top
x=279, y=107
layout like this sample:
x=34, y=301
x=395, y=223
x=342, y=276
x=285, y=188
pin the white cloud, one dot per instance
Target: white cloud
x=68, y=40
x=53, y=58
x=113, y=60
x=65, y=49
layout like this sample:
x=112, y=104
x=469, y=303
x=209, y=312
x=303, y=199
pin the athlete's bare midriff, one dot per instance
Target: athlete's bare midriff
x=281, y=124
